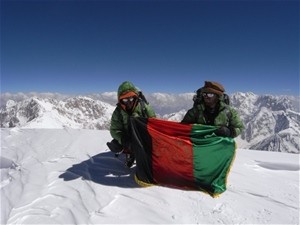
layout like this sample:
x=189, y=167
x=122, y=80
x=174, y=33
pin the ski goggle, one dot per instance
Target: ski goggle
x=209, y=95
x=127, y=100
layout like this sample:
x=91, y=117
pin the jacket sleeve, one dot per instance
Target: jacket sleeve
x=236, y=125
x=150, y=111
x=116, y=125
x=189, y=117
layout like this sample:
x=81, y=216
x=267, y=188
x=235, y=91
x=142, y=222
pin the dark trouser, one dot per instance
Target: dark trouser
x=115, y=147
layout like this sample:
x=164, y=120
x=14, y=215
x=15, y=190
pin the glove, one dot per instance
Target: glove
x=114, y=146
x=223, y=131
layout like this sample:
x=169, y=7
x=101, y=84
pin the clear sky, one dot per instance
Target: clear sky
x=161, y=46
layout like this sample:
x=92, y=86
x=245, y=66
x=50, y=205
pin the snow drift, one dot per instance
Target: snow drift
x=67, y=176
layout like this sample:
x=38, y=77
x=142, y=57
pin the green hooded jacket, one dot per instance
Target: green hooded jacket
x=227, y=116
x=120, y=118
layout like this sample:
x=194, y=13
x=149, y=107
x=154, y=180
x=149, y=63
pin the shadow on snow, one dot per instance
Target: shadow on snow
x=105, y=169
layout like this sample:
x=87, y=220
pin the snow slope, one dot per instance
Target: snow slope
x=67, y=176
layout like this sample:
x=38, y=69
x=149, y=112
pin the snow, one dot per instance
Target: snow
x=51, y=119
x=68, y=176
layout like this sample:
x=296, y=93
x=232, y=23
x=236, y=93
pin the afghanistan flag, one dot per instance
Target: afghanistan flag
x=186, y=156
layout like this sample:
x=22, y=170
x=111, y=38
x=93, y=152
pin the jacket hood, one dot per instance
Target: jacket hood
x=126, y=86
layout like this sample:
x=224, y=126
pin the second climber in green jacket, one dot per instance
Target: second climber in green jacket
x=210, y=109
x=131, y=103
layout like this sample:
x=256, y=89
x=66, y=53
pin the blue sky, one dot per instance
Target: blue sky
x=162, y=46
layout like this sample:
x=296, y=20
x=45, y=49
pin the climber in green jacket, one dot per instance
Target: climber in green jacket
x=210, y=108
x=131, y=103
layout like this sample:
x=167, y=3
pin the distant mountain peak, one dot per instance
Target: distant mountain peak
x=272, y=123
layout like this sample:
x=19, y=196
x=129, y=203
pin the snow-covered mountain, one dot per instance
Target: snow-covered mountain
x=272, y=123
x=76, y=112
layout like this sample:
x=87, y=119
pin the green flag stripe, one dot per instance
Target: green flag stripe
x=212, y=158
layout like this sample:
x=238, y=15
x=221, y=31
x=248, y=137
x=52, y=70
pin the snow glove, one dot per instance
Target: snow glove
x=114, y=146
x=223, y=131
